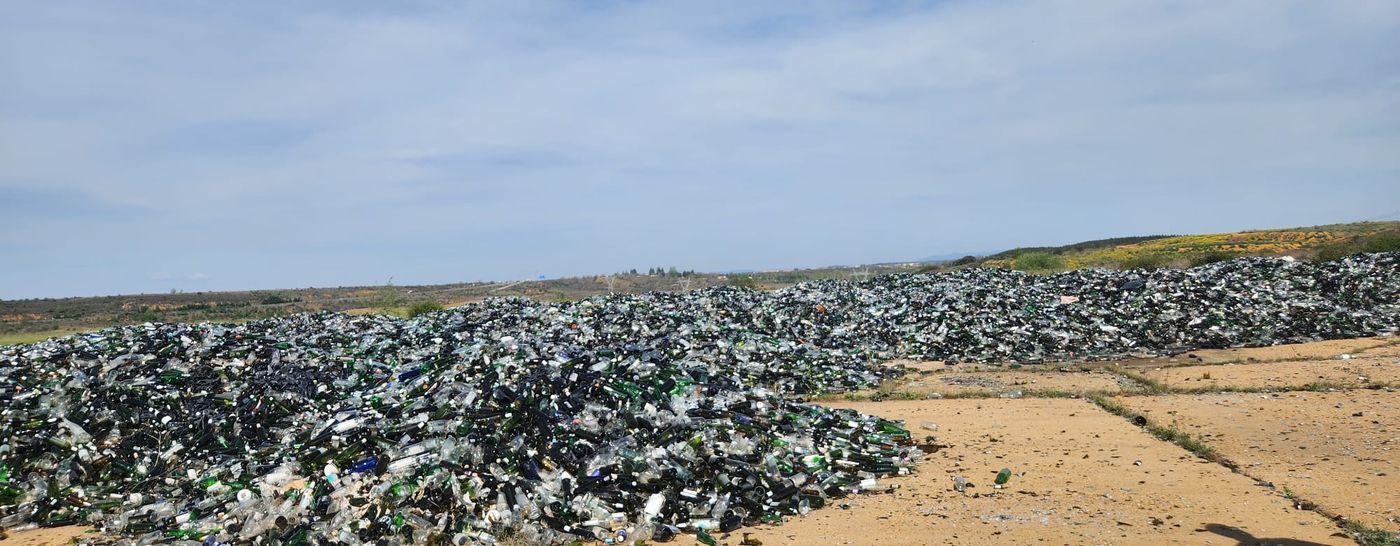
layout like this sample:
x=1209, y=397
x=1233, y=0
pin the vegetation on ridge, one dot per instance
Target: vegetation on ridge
x=1317, y=243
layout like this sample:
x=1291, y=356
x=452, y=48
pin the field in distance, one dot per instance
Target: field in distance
x=30, y=320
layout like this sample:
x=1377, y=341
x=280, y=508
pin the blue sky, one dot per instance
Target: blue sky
x=146, y=146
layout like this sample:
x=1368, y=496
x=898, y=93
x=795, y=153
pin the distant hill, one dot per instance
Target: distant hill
x=940, y=258
x=1315, y=242
x=27, y=320
x=1078, y=247
x=35, y=319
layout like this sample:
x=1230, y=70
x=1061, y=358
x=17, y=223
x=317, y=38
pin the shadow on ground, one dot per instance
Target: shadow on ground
x=1243, y=537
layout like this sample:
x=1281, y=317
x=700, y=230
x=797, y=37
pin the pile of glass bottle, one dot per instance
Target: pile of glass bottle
x=616, y=419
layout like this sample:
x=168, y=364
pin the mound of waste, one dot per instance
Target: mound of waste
x=616, y=418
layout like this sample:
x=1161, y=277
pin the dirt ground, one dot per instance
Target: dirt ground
x=1340, y=450
x=1360, y=372
x=1365, y=362
x=1319, y=350
x=1080, y=476
x=44, y=537
x=1008, y=383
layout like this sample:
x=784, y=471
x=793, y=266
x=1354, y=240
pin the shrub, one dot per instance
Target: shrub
x=743, y=281
x=1334, y=251
x=1039, y=261
x=1381, y=242
x=146, y=314
x=423, y=307
x=1210, y=258
x=388, y=297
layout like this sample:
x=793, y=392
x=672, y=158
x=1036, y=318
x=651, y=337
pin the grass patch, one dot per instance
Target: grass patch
x=897, y=395
x=1324, y=386
x=1112, y=406
x=1185, y=441
x=1049, y=393
x=1227, y=389
x=1211, y=257
x=1146, y=384
x=423, y=307
x=1298, y=502
x=1388, y=241
x=1325, y=242
x=871, y=396
x=1038, y=262
x=33, y=337
x=743, y=281
x=1168, y=433
x=1362, y=533
x=1370, y=536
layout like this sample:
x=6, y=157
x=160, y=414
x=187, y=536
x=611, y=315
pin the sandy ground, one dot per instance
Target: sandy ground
x=44, y=537
x=1392, y=350
x=1318, y=350
x=1340, y=450
x=1009, y=383
x=1359, y=372
x=1089, y=478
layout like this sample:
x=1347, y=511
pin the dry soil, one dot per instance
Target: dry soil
x=1340, y=450
x=1081, y=476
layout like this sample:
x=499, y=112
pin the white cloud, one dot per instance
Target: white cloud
x=836, y=133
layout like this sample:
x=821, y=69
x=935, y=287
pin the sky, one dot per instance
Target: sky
x=147, y=146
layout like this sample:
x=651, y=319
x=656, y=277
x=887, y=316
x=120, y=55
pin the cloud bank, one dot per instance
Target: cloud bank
x=157, y=145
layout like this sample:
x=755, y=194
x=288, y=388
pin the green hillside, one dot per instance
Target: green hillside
x=1316, y=242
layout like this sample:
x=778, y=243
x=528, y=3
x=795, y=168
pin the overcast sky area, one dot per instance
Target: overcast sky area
x=150, y=146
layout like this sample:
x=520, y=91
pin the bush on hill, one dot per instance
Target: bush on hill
x=423, y=307
x=1038, y=261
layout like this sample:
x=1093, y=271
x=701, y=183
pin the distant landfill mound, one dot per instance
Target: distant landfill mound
x=615, y=418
